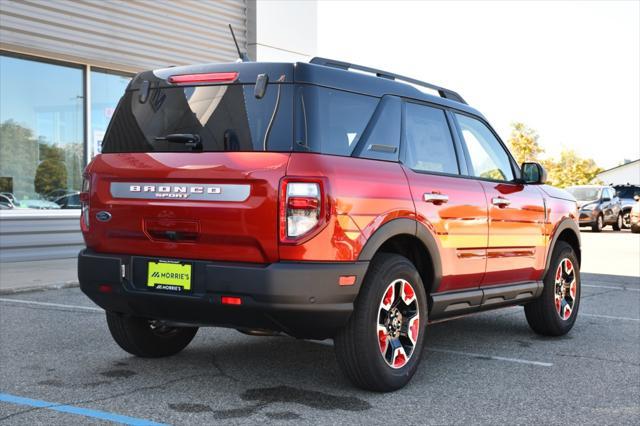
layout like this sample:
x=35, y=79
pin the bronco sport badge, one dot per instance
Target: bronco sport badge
x=179, y=191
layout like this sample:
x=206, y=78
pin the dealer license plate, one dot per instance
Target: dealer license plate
x=170, y=276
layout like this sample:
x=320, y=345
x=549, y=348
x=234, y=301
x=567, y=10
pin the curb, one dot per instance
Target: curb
x=41, y=287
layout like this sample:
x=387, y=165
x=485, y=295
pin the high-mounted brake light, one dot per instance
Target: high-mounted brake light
x=302, y=208
x=212, y=77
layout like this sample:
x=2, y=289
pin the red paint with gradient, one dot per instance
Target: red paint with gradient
x=480, y=244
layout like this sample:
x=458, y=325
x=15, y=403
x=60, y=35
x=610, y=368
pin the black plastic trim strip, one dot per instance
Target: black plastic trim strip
x=456, y=303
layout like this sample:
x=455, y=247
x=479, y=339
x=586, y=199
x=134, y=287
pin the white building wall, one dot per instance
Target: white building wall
x=131, y=35
x=627, y=173
x=286, y=31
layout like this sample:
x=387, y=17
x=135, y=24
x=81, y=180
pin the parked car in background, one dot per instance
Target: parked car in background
x=634, y=216
x=9, y=196
x=6, y=203
x=627, y=194
x=57, y=193
x=598, y=205
x=69, y=201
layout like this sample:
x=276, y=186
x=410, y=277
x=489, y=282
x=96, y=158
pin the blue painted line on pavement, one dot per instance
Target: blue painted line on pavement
x=87, y=412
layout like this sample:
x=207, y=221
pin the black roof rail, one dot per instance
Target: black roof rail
x=444, y=93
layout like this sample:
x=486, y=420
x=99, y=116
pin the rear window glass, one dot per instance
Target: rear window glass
x=224, y=117
x=331, y=121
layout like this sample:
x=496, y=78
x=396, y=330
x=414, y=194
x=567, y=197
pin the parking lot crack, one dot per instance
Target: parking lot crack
x=221, y=371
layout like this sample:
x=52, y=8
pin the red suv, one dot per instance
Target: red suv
x=312, y=200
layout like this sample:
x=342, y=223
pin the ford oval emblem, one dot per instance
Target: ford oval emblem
x=103, y=216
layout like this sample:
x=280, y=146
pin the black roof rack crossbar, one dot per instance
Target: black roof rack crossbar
x=444, y=93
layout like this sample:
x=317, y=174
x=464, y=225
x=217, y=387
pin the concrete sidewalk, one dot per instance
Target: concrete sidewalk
x=16, y=277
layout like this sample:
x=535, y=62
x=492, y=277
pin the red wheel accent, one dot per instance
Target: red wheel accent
x=383, y=341
x=414, y=328
x=567, y=311
x=407, y=293
x=399, y=358
x=389, y=297
x=568, y=266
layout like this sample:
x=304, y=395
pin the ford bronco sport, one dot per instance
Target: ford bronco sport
x=312, y=200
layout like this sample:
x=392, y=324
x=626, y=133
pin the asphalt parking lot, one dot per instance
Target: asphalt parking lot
x=59, y=365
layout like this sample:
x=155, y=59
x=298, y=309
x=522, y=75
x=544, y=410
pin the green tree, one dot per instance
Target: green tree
x=571, y=169
x=51, y=174
x=18, y=157
x=523, y=143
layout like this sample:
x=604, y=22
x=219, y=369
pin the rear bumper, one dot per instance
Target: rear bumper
x=300, y=299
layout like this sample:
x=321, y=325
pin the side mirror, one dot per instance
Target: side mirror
x=636, y=197
x=533, y=173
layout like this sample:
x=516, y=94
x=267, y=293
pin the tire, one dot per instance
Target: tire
x=373, y=350
x=598, y=224
x=618, y=223
x=553, y=314
x=626, y=219
x=141, y=337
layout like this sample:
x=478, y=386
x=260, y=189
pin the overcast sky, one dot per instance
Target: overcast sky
x=569, y=70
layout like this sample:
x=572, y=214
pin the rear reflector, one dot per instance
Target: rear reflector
x=230, y=300
x=347, y=280
x=213, y=77
x=105, y=288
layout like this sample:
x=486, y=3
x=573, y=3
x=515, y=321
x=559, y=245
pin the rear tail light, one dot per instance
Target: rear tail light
x=302, y=208
x=84, y=199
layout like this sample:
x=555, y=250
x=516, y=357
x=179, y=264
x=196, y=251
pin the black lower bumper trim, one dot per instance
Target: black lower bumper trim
x=301, y=299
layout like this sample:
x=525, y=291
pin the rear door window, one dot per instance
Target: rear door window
x=331, y=121
x=225, y=117
x=428, y=141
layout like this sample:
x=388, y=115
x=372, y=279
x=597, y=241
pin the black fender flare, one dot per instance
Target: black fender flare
x=566, y=223
x=404, y=226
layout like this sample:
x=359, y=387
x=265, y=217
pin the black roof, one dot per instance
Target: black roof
x=322, y=72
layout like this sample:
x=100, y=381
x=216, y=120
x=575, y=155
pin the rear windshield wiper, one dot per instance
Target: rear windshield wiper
x=188, y=139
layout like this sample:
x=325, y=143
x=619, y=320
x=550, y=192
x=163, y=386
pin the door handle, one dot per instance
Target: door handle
x=500, y=202
x=435, y=198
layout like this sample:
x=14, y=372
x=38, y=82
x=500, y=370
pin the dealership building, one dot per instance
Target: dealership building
x=626, y=173
x=64, y=65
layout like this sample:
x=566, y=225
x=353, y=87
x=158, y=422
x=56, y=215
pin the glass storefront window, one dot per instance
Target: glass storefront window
x=42, y=129
x=106, y=89
x=41, y=133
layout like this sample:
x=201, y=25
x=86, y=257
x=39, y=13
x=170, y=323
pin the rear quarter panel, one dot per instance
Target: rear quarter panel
x=364, y=195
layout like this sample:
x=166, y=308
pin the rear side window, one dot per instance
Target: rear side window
x=429, y=145
x=225, y=118
x=330, y=121
x=488, y=157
